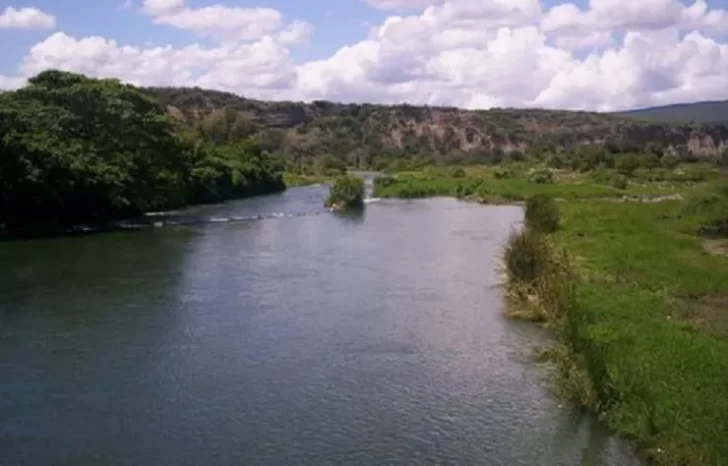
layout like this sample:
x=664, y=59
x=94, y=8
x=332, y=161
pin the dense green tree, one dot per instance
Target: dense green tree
x=346, y=193
x=80, y=150
x=75, y=149
x=670, y=161
x=626, y=164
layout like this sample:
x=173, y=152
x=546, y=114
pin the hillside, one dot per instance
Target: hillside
x=378, y=136
x=701, y=112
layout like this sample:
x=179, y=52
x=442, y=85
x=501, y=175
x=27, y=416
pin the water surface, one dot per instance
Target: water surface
x=300, y=337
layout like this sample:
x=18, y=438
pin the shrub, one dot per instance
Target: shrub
x=541, y=177
x=347, y=193
x=503, y=173
x=527, y=255
x=542, y=213
x=458, y=173
x=557, y=161
x=670, y=161
x=609, y=178
x=619, y=182
x=710, y=210
x=384, y=181
x=627, y=164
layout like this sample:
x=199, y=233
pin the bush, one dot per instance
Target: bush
x=557, y=161
x=503, y=174
x=527, y=256
x=542, y=213
x=347, y=193
x=670, y=161
x=627, y=164
x=619, y=182
x=541, y=177
x=384, y=181
x=710, y=210
x=458, y=173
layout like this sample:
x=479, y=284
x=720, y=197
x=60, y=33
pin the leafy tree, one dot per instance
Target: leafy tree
x=626, y=164
x=74, y=149
x=650, y=160
x=670, y=161
x=346, y=193
x=80, y=150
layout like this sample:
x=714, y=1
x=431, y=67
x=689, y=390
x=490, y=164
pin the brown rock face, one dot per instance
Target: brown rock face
x=405, y=130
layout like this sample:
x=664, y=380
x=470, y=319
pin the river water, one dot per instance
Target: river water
x=294, y=337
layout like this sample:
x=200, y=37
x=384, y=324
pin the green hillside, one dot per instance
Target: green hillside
x=699, y=112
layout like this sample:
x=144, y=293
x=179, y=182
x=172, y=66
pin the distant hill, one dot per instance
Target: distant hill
x=699, y=112
x=367, y=135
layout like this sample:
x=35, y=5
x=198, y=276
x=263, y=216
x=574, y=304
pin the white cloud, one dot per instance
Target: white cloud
x=161, y=7
x=227, y=23
x=10, y=82
x=26, y=18
x=457, y=52
x=650, y=69
x=594, y=26
x=258, y=68
x=399, y=4
x=298, y=32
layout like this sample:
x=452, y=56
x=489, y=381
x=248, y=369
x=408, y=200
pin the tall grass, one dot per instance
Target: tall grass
x=542, y=214
x=657, y=379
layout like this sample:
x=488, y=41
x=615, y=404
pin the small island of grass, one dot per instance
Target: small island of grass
x=347, y=193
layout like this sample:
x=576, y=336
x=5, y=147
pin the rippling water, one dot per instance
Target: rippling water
x=279, y=335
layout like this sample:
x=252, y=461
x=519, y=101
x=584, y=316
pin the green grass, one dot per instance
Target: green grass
x=640, y=309
x=654, y=303
x=515, y=183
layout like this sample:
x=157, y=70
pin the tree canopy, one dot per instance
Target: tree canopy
x=79, y=150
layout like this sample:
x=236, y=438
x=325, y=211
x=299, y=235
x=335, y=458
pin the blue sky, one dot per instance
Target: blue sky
x=337, y=23
x=481, y=53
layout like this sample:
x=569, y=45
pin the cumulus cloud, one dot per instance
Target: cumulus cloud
x=298, y=32
x=258, y=68
x=227, y=23
x=161, y=7
x=609, y=55
x=595, y=25
x=26, y=18
x=399, y=4
x=10, y=82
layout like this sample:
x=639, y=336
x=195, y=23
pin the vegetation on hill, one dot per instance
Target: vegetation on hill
x=346, y=193
x=75, y=150
x=700, y=112
x=316, y=137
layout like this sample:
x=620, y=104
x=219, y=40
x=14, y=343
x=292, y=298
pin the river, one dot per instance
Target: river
x=288, y=336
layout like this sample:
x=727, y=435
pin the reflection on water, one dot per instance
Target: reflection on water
x=311, y=339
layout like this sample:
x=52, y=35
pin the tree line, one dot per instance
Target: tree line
x=76, y=150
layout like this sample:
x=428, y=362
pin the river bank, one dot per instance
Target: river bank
x=636, y=301
x=640, y=314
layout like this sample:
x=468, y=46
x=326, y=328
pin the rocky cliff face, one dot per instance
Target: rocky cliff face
x=414, y=131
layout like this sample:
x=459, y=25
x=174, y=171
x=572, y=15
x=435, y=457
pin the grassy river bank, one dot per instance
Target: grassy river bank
x=635, y=292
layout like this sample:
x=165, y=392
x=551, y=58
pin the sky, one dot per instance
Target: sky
x=580, y=54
